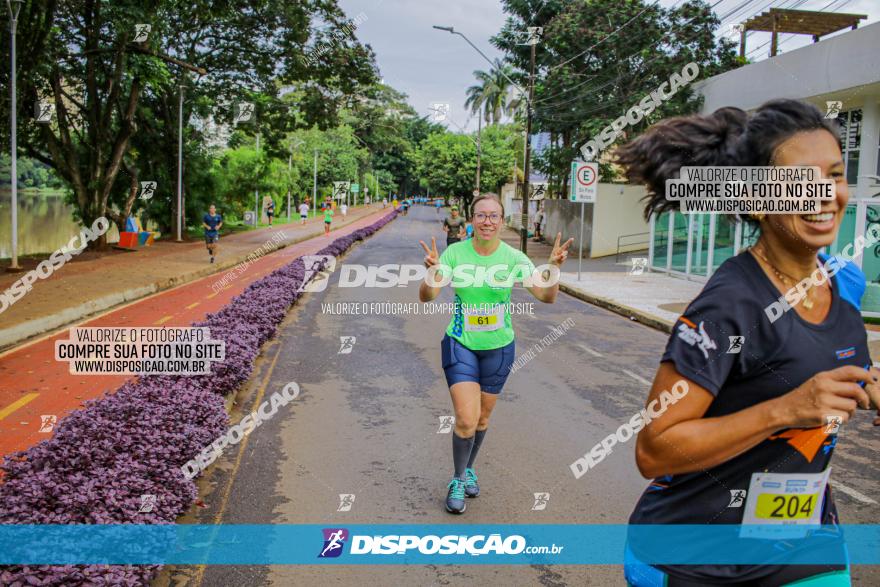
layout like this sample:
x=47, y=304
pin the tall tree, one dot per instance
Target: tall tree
x=598, y=58
x=106, y=88
x=492, y=94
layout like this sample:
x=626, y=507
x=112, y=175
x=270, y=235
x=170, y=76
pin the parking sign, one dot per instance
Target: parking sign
x=584, y=181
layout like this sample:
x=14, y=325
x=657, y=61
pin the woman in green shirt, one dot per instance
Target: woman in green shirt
x=328, y=218
x=478, y=349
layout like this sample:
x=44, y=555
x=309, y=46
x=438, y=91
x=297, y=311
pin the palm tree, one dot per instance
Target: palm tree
x=491, y=94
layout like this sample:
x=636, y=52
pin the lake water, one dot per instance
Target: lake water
x=45, y=223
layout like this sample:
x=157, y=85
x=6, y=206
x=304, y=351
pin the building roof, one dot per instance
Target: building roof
x=803, y=22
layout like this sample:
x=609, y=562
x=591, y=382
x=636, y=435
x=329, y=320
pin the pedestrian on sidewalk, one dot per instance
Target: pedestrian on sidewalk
x=384, y=203
x=344, y=210
x=478, y=350
x=328, y=219
x=212, y=223
x=758, y=388
x=539, y=219
x=303, y=213
x=270, y=210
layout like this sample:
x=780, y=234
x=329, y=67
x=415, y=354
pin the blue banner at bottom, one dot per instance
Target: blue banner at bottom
x=370, y=544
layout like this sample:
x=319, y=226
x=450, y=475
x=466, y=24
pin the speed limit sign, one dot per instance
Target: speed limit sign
x=584, y=181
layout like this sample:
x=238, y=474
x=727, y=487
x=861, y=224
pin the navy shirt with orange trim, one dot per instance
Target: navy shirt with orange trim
x=725, y=342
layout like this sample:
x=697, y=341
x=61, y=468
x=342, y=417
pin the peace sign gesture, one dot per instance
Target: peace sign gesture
x=560, y=252
x=432, y=255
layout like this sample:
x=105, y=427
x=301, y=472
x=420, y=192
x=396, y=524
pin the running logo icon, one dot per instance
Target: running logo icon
x=44, y=111
x=696, y=335
x=313, y=265
x=47, y=423
x=832, y=424
x=639, y=264
x=346, y=500
x=148, y=502
x=736, y=344
x=244, y=112
x=148, y=189
x=346, y=344
x=446, y=424
x=141, y=32
x=439, y=112
x=334, y=541
x=737, y=498
x=833, y=108
x=541, y=501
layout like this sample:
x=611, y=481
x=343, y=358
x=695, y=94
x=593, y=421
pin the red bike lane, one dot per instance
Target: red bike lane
x=33, y=384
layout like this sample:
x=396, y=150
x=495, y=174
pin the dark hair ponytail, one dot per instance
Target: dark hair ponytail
x=727, y=137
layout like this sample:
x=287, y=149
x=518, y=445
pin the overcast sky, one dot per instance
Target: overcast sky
x=433, y=66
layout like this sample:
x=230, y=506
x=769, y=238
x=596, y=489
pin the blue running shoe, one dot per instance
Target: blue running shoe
x=471, y=488
x=455, y=498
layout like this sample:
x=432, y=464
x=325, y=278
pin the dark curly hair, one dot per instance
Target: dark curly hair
x=727, y=137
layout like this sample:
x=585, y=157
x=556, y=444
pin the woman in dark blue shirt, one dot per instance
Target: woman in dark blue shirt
x=768, y=383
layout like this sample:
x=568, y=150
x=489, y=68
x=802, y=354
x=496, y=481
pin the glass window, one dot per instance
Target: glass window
x=851, y=136
x=700, y=254
x=679, y=242
x=725, y=237
x=661, y=238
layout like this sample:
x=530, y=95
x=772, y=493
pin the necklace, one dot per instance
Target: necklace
x=788, y=280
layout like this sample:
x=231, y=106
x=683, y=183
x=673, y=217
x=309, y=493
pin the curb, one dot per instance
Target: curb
x=632, y=313
x=11, y=337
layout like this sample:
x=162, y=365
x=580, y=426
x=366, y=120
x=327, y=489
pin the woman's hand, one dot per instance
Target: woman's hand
x=826, y=394
x=560, y=252
x=427, y=291
x=432, y=255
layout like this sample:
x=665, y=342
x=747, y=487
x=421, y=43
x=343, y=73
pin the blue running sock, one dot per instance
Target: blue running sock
x=478, y=440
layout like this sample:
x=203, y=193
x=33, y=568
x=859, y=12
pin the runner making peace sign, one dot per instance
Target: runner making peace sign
x=478, y=349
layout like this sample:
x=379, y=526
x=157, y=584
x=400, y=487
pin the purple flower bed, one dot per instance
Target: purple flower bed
x=133, y=441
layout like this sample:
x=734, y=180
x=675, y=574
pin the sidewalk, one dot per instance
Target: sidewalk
x=90, y=284
x=653, y=299
x=33, y=384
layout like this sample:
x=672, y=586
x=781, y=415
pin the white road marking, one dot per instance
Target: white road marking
x=638, y=378
x=589, y=350
x=852, y=492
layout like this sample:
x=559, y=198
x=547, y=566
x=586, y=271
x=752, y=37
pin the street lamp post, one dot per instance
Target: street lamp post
x=14, y=7
x=180, y=166
x=532, y=41
x=315, y=184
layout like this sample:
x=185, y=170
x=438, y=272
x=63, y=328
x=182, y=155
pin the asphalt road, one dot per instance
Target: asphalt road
x=366, y=423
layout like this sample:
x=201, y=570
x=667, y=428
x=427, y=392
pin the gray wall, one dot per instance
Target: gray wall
x=565, y=217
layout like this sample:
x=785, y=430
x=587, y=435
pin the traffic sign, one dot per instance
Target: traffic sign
x=584, y=181
x=355, y=188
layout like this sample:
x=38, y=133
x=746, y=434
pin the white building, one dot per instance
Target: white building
x=846, y=69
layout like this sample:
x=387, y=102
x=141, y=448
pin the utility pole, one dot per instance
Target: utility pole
x=315, y=184
x=257, y=187
x=180, y=166
x=479, y=151
x=14, y=7
x=534, y=33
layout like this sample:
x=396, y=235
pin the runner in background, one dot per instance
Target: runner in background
x=212, y=223
x=384, y=203
x=303, y=213
x=454, y=226
x=343, y=208
x=478, y=348
x=394, y=203
x=759, y=417
x=328, y=219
